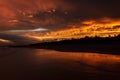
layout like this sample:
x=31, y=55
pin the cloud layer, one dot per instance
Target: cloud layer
x=20, y=14
x=11, y=39
x=53, y=14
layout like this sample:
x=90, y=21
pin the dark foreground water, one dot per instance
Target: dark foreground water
x=40, y=64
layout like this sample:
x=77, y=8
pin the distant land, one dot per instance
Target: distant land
x=105, y=45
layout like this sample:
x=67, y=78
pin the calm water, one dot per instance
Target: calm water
x=40, y=64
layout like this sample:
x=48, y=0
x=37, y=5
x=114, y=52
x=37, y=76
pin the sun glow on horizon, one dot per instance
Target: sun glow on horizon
x=104, y=27
x=5, y=41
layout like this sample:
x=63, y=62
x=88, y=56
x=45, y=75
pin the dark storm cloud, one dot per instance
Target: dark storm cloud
x=81, y=10
x=53, y=14
x=18, y=14
x=95, y=8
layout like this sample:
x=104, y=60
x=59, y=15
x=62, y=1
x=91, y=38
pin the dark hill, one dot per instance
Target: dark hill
x=108, y=45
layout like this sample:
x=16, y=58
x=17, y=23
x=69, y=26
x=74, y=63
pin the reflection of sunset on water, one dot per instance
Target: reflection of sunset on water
x=28, y=62
x=87, y=57
x=105, y=61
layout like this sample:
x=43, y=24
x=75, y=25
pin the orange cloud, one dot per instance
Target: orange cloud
x=103, y=28
x=24, y=11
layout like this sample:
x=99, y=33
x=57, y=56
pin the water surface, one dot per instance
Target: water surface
x=42, y=64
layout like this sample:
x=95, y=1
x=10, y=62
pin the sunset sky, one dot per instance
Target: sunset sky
x=31, y=18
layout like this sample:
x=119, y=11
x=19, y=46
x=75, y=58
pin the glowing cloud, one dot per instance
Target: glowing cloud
x=29, y=30
x=104, y=27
